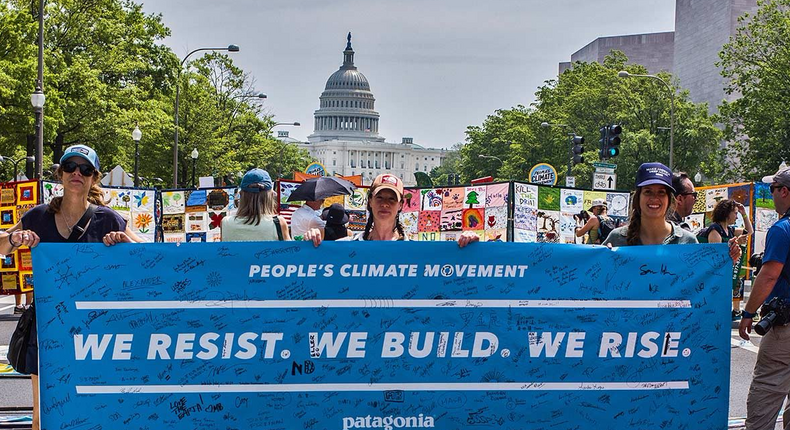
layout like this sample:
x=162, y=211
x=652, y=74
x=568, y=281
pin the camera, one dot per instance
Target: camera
x=775, y=312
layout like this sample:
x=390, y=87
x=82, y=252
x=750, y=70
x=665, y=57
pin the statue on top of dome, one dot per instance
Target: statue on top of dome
x=348, y=45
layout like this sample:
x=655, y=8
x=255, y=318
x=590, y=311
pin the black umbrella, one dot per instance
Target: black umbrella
x=321, y=188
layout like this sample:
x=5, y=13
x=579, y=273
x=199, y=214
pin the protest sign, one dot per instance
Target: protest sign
x=276, y=335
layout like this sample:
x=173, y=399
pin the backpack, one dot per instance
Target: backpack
x=605, y=226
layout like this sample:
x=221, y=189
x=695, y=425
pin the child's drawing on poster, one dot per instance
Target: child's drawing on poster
x=525, y=236
x=617, y=204
x=714, y=196
x=475, y=197
x=548, y=226
x=412, y=199
x=496, y=218
x=473, y=219
x=172, y=202
x=357, y=200
x=428, y=221
x=452, y=198
x=526, y=195
x=496, y=195
x=549, y=199
x=525, y=218
x=409, y=222
x=572, y=201
x=452, y=219
x=431, y=200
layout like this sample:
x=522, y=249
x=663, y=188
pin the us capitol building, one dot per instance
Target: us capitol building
x=346, y=137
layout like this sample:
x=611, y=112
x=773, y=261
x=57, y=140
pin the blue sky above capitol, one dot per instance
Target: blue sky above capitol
x=435, y=67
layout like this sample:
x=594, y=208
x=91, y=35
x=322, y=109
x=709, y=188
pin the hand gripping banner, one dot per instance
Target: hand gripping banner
x=276, y=335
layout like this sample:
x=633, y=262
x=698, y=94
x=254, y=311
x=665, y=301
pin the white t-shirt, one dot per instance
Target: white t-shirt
x=304, y=219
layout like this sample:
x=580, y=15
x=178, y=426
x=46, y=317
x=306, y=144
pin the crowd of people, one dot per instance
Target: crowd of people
x=661, y=203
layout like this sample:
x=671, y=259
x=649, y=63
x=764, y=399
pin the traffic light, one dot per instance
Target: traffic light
x=578, y=149
x=613, y=141
x=603, y=143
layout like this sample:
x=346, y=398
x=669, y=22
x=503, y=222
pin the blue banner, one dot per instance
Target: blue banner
x=273, y=335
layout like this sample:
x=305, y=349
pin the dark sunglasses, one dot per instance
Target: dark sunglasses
x=85, y=169
x=776, y=187
x=694, y=194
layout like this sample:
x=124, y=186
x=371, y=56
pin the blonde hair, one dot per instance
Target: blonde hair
x=253, y=205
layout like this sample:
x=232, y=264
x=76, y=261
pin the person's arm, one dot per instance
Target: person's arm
x=284, y=229
x=714, y=236
x=747, y=223
x=14, y=237
x=763, y=285
x=592, y=223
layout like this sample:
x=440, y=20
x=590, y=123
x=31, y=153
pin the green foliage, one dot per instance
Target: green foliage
x=584, y=99
x=451, y=165
x=106, y=70
x=755, y=64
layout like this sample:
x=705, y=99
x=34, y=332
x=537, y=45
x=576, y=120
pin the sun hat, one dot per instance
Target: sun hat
x=335, y=214
x=597, y=202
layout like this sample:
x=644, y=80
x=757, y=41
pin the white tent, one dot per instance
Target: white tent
x=117, y=177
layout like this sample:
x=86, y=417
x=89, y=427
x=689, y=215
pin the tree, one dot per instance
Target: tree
x=755, y=65
x=586, y=98
x=450, y=166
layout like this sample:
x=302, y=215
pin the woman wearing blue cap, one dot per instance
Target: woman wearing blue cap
x=256, y=218
x=653, y=199
x=79, y=216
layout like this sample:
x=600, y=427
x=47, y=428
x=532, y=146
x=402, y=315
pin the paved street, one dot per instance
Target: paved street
x=15, y=392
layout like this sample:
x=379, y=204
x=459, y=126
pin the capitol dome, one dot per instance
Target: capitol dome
x=347, y=105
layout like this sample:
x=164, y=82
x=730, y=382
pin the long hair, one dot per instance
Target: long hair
x=254, y=205
x=95, y=194
x=722, y=210
x=369, y=225
x=635, y=217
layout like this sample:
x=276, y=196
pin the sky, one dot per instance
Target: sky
x=435, y=67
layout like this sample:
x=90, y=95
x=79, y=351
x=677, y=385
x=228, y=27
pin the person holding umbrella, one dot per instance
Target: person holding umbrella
x=313, y=192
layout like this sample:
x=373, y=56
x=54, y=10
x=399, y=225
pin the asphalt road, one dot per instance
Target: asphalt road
x=16, y=392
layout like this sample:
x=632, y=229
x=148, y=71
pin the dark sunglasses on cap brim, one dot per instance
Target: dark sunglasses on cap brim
x=85, y=169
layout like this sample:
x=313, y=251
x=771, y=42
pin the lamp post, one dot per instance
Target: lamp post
x=29, y=158
x=698, y=178
x=136, y=136
x=260, y=96
x=194, y=156
x=230, y=48
x=37, y=98
x=282, y=145
x=624, y=74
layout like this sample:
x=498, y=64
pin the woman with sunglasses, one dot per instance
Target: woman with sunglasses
x=56, y=222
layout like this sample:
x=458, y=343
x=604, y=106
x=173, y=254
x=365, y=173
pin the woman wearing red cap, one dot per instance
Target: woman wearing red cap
x=79, y=216
x=385, y=201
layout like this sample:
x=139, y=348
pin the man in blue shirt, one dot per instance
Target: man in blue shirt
x=771, y=382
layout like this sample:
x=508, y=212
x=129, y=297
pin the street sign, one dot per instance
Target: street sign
x=570, y=181
x=604, y=181
x=605, y=165
x=603, y=170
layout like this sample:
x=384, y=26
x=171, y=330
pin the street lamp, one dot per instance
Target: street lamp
x=136, y=136
x=624, y=74
x=294, y=124
x=698, y=178
x=260, y=96
x=230, y=48
x=37, y=98
x=194, y=156
x=282, y=144
x=29, y=158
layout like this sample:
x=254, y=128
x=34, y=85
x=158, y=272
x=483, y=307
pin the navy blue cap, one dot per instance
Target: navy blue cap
x=255, y=179
x=82, y=151
x=654, y=173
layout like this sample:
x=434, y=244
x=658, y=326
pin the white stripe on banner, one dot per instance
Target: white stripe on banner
x=444, y=386
x=384, y=303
